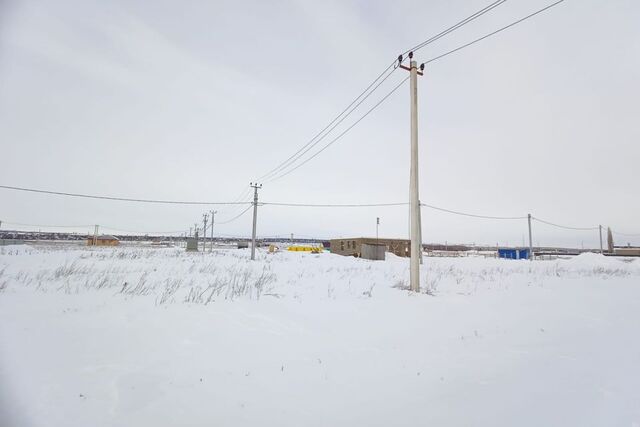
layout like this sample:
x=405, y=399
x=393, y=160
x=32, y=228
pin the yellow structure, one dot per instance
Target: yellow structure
x=102, y=241
x=312, y=249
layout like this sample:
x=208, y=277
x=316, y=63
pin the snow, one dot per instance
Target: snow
x=301, y=339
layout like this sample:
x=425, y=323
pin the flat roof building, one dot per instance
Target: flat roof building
x=353, y=246
x=104, y=240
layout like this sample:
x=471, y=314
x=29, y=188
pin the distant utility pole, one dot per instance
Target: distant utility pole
x=255, y=187
x=213, y=213
x=414, y=200
x=204, y=232
x=95, y=235
x=377, y=225
x=600, y=230
x=530, y=239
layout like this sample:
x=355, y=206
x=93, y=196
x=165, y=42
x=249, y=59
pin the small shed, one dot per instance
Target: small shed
x=192, y=244
x=513, y=253
x=104, y=240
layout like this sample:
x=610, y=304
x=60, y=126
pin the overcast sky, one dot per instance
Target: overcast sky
x=193, y=100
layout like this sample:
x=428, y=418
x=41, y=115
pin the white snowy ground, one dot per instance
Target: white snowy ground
x=314, y=340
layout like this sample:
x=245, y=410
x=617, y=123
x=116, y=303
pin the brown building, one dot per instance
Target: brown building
x=103, y=241
x=626, y=251
x=353, y=246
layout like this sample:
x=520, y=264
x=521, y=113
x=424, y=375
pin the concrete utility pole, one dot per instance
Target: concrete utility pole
x=600, y=230
x=420, y=230
x=377, y=226
x=213, y=213
x=530, y=239
x=255, y=187
x=95, y=235
x=204, y=232
x=414, y=200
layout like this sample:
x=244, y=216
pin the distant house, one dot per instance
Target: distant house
x=353, y=246
x=104, y=240
x=513, y=253
x=621, y=250
x=626, y=251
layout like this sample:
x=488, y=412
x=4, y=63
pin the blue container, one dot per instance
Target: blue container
x=511, y=253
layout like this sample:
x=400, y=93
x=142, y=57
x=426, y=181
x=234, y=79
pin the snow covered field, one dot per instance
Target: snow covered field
x=160, y=337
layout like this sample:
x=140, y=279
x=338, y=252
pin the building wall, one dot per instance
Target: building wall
x=372, y=252
x=627, y=251
x=352, y=246
x=102, y=242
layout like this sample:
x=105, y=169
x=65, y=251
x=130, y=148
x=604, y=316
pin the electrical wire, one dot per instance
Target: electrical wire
x=365, y=205
x=368, y=91
x=472, y=215
x=245, y=193
x=492, y=33
x=140, y=232
x=235, y=217
x=331, y=126
x=242, y=198
x=488, y=8
x=305, y=149
x=121, y=199
x=343, y=132
x=350, y=205
x=465, y=21
x=565, y=226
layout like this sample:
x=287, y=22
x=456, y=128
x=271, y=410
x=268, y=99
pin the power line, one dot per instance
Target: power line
x=465, y=21
x=242, y=198
x=325, y=205
x=343, y=132
x=368, y=91
x=493, y=33
x=141, y=232
x=349, y=205
x=121, y=199
x=565, y=226
x=235, y=217
x=242, y=195
x=472, y=215
x=301, y=152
